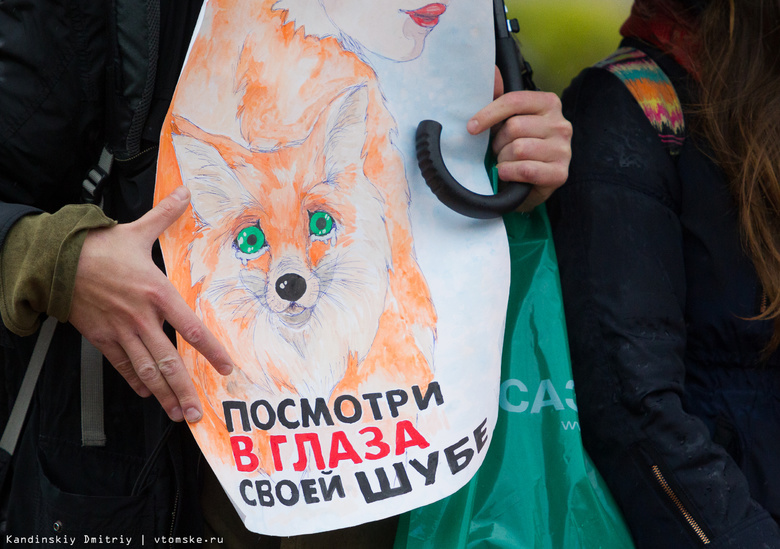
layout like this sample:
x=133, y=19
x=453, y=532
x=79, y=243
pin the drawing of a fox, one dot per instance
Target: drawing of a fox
x=295, y=259
x=298, y=253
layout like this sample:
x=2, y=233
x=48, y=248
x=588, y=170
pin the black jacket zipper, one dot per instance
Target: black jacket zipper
x=659, y=477
x=173, y=517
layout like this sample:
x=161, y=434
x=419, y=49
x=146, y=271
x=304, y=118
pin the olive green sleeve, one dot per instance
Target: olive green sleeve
x=38, y=264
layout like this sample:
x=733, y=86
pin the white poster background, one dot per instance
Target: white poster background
x=464, y=261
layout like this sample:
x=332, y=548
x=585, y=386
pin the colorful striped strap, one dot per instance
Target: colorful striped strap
x=653, y=91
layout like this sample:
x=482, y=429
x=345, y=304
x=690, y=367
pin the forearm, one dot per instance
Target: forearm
x=38, y=263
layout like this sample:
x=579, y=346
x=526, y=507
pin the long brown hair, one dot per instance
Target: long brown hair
x=738, y=65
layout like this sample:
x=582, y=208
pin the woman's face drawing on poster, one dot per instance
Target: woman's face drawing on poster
x=393, y=29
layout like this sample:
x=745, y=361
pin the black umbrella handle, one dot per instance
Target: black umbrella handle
x=516, y=74
x=451, y=193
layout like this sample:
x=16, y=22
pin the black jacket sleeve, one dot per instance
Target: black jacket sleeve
x=620, y=248
x=52, y=90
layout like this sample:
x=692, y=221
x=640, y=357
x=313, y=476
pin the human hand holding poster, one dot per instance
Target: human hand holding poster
x=365, y=319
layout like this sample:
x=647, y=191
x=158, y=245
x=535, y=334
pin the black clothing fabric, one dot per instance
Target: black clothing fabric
x=676, y=408
x=75, y=75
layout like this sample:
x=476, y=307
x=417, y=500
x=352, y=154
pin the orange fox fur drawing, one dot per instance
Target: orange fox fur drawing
x=298, y=251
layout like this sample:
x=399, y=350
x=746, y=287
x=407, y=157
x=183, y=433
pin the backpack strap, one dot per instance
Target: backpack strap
x=16, y=420
x=92, y=428
x=93, y=432
x=654, y=92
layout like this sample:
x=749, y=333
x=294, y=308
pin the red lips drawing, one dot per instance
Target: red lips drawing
x=427, y=16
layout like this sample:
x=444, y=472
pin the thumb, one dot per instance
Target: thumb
x=152, y=224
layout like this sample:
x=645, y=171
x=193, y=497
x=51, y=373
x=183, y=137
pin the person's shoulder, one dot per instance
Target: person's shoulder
x=615, y=142
x=599, y=95
x=632, y=86
x=606, y=116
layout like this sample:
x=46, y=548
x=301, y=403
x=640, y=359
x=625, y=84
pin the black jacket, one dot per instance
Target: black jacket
x=676, y=409
x=75, y=75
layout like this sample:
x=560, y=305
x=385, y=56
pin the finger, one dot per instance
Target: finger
x=122, y=364
x=171, y=369
x=512, y=104
x=547, y=175
x=528, y=127
x=539, y=193
x=152, y=224
x=148, y=372
x=498, y=85
x=531, y=148
x=534, y=198
x=179, y=315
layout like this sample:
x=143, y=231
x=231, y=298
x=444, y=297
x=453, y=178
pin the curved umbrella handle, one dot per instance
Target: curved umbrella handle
x=451, y=193
x=516, y=74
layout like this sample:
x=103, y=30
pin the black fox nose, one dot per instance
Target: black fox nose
x=291, y=287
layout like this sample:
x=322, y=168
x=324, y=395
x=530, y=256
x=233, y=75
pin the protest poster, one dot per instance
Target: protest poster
x=365, y=319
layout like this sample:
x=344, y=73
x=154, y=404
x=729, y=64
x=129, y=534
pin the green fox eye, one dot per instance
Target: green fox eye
x=320, y=223
x=250, y=240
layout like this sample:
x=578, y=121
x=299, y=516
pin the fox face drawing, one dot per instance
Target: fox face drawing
x=294, y=256
x=298, y=251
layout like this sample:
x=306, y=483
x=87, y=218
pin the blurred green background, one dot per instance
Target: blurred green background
x=561, y=37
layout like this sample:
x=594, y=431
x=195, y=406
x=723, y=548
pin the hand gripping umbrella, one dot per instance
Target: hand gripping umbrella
x=516, y=74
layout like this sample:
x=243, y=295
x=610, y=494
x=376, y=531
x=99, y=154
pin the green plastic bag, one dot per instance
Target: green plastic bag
x=537, y=487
